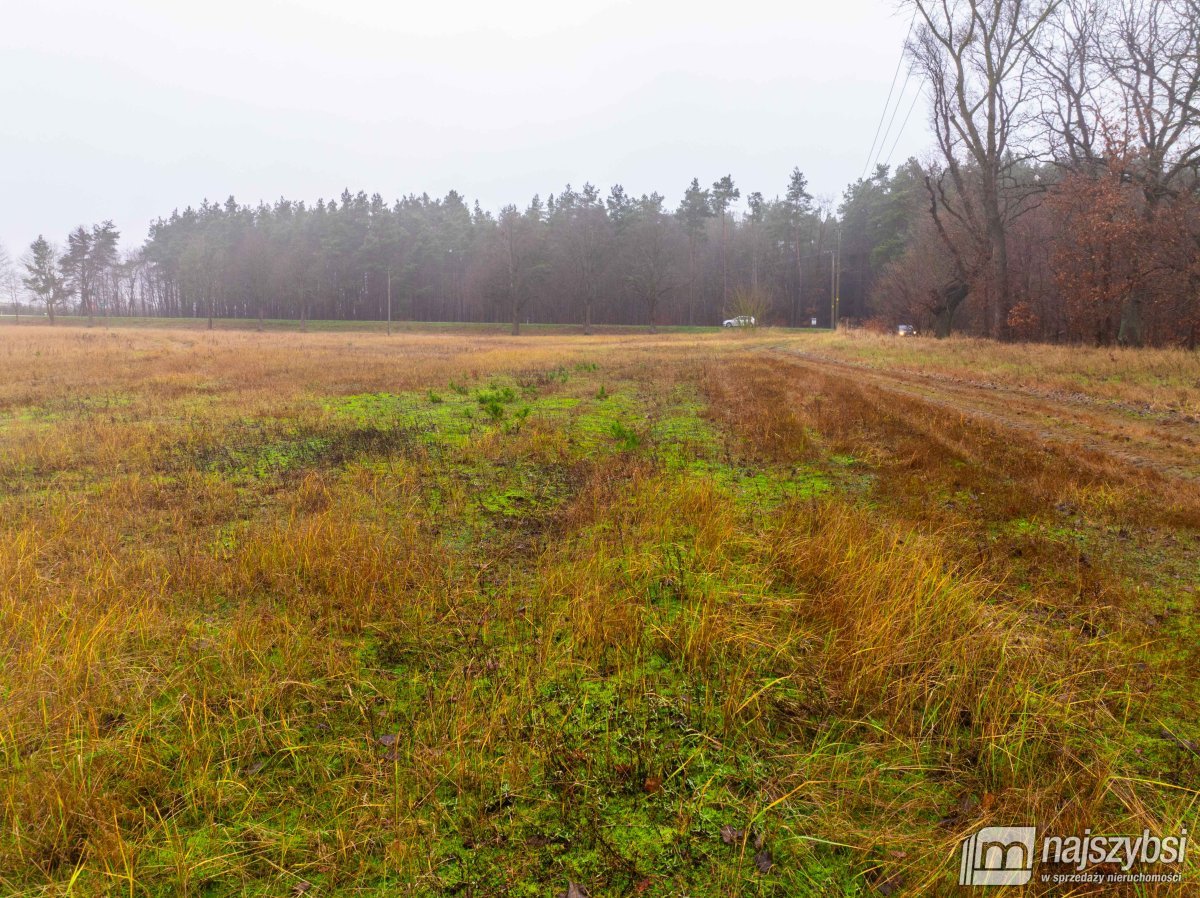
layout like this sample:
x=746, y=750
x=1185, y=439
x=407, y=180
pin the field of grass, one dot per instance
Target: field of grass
x=293, y=325
x=463, y=614
x=1149, y=378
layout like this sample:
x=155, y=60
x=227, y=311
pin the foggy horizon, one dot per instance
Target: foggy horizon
x=134, y=111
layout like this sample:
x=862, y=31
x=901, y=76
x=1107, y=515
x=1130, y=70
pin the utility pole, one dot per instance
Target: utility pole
x=837, y=289
x=389, y=326
x=724, y=265
x=833, y=273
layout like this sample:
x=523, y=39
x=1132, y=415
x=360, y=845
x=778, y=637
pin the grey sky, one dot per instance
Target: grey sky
x=129, y=108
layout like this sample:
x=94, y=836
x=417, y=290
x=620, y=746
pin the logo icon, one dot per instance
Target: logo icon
x=998, y=856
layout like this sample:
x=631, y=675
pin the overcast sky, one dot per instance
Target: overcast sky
x=126, y=109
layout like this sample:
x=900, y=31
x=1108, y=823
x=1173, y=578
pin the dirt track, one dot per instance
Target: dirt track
x=1166, y=444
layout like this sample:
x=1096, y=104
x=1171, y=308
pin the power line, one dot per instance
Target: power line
x=888, y=101
x=882, y=116
x=888, y=132
x=903, y=124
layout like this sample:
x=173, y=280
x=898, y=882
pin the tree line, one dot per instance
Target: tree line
x=577, y=256
x=1062, y=203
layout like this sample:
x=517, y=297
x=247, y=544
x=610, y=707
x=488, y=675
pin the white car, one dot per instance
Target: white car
x=739, y=321
x=906, y=330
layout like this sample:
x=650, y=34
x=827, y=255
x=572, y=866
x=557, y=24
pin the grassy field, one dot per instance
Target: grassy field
x=1151, y=378
x=292, y=325
x=699, y=614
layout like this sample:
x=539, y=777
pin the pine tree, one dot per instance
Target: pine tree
x=723, y=195
x=42, y=277
x=76, y=274
x=798, y=205
x=695, y=209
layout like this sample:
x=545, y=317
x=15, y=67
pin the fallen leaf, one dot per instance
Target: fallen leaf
x=989, y=801
x=763, y=861
x=641, y=885
x=574, y=890
x=652, y=784
x=301, y=887
x=388, y=739
x=730, y=835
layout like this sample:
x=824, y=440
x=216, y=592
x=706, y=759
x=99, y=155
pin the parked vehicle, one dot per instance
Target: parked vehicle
x=739, y=321
x=906, y=330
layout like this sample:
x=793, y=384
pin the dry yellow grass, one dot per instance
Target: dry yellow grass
x=456, y=614
x=1158, y=379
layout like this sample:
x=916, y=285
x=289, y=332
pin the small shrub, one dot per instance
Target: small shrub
x=627, y=439
x=493, y=407
x=500, y=395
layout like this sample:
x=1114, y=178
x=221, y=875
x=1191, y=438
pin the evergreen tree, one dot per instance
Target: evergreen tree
x=799, y=211
x=76, y=272
x=724, y=193
x=42, y=277
x=651, y=257
x=693, y=213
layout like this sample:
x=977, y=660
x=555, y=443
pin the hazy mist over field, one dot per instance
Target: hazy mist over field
x=128, y=109
x=599, y=449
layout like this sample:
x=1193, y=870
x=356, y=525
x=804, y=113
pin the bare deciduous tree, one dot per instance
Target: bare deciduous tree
x=976, y=56
x=1121, y=81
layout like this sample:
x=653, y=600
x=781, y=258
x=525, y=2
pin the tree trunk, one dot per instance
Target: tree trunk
x=799, y=300
x=949, y=299
x=999, y=271
x=1132, y=329
x=691, y=278
x=724, y=266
